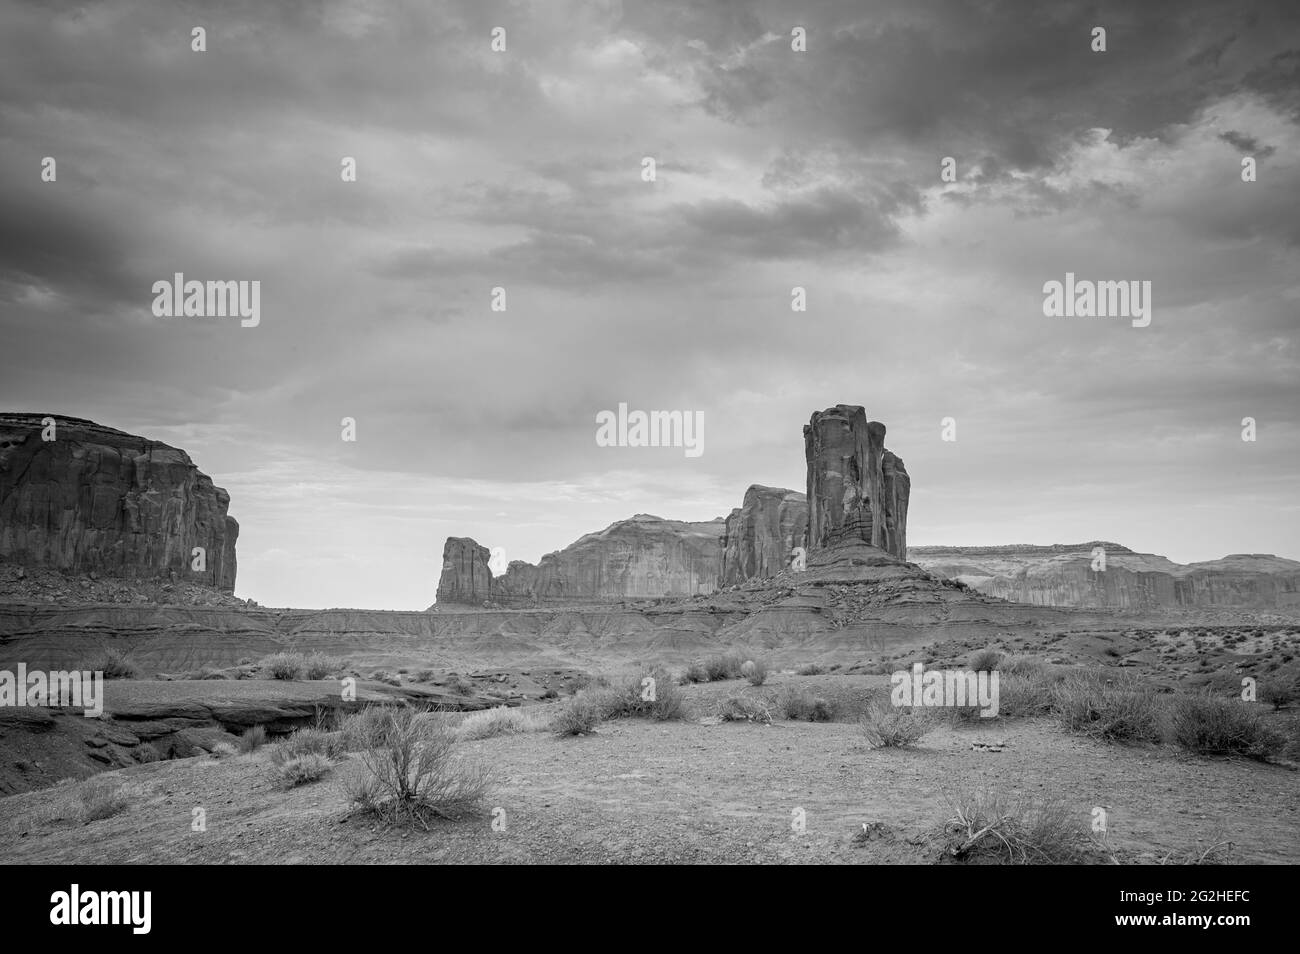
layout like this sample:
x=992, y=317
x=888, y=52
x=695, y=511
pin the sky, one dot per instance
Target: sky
x=523, y=169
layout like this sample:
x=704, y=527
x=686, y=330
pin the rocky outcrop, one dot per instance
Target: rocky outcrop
x=1064, y=575
x=96, y=500
x=760, y=534
x=856, y=488
x=465, y=574
x=643, y=556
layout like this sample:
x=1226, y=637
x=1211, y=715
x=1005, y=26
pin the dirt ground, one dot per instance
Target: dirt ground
x=685, y=792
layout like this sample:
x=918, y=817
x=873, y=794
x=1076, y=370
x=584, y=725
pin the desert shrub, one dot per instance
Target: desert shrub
x=985, y=660
x=1277, y=693
x=810, y=669
x=894, y=727
x=1210, y=725
x=330, y=745
x=578, y=716
x=386, y=677
x=224, y=750
x=1114, y=709
x=458, y=684
x=744, y=709
x=424, y=675
x=723, y=667
x=1028, y=666
x=252, y=738
x=148, y=752
x=1021, y=695
x=320, y=666
x=1023, y=830
x=114, y=664
x=410, y=774
x=302, y=769
x=498, y=721
x=101, y=799
x=757, y=674
x=800, y=705
x=630, y=702
x=696, y=672
x=286, y=666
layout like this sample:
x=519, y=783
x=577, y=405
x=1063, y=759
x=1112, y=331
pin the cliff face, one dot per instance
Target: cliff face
x=856, y=488
x=97, y=499
x=1062, y=575
x=760, y=534
x=465, y=574
x=644, y=556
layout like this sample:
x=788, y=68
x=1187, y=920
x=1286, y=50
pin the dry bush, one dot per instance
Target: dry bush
x=1024, y=830
x=757, y=674
x=114, y=664
x=424, y=675
x=744, y=709
x=694, y=673
x=320, y=666
x=579, y=716
x=458, y=684
x=1112, y=708
x=224, y=750
x=726, y=666
x=810, y=669
x=386, y=677
x=313, y=741
x=894, y=727
x=287, y=666
x=668, y=702
x=101, y=799
x=302, y=769
x=252, y=739
x=499, y=721
x=1022, y=694
x=409, y=772
x=1210, y=725
x=802, y=706
x=985, y=660
x=1277, y=693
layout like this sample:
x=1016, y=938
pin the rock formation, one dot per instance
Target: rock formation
x=760, y=534
x=856, y=488
x=465, y=574
x=641, y=557
x=1063, y=575
x=94, y=499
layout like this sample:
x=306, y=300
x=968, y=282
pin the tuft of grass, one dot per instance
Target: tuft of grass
x=801, y=706
x=320, y=666
x=501, y=720
x=1111, y=708
x=985, y=660
x=578, y=716
x=1025, y=830
x=894, y=727
x=1210, y=725
x=694, y=673
x=114, y=664
x=410, y=775
x=286, y=666
x=224, y=750
x=756, y=671
x=744, y=709
x=722, y=667
x=302, y=769
x=101, y=799
x=1277, y=693
x=458, y=684
x=311, y=741
x=252, y=739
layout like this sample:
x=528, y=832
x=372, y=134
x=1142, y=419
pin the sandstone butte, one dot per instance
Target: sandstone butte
x=97, y=500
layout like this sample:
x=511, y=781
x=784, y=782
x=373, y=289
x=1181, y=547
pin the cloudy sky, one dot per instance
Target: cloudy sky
x=774, y=168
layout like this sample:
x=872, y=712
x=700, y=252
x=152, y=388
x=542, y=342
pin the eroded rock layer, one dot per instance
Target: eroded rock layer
x=761, y=533
x=95, y=499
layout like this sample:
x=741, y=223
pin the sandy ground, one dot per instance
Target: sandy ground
x=692, y=792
